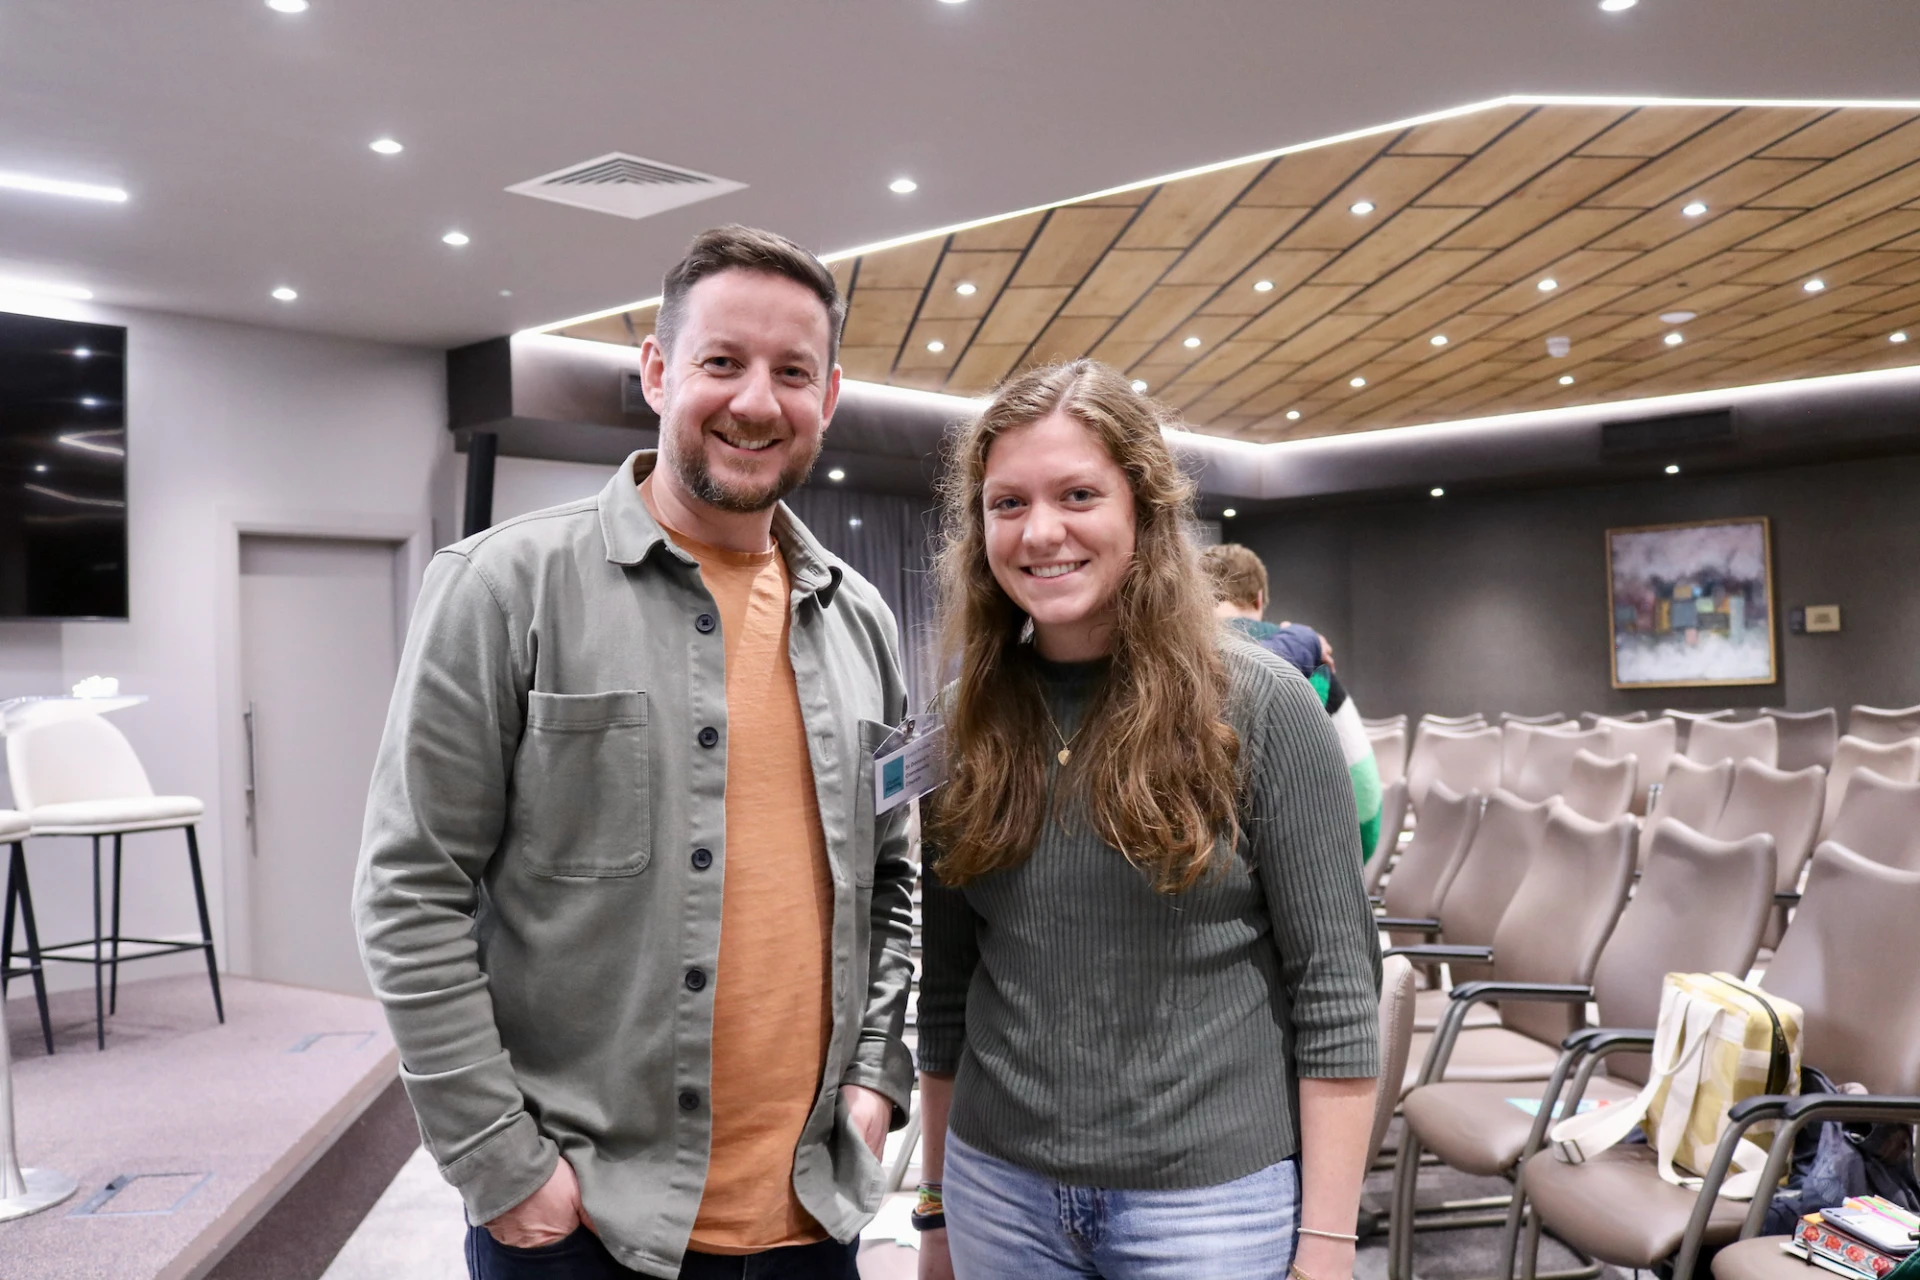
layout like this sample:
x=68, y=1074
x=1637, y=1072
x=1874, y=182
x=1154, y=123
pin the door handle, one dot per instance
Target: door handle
x=253, y=827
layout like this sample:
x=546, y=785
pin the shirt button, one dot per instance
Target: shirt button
x=709, y=735
x=704, y=623
x=696, y=980
x=702, y=859
x=689, y=1100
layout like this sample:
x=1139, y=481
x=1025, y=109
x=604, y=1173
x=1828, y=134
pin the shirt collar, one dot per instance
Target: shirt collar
x=632, y=534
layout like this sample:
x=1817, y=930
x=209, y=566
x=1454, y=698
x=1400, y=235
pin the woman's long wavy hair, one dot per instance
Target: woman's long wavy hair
x=1157, y=764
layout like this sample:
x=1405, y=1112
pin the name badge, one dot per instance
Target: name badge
x=909, y=770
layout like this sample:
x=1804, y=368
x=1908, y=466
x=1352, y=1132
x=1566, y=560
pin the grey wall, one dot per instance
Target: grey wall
x=1498, y=602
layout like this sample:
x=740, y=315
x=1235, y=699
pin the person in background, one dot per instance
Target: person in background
x=1240, y=592
x=1148, y=1004
x=642, y=942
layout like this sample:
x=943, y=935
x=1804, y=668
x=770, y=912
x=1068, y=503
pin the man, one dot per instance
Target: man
x=1240, y=593
x=642, y=942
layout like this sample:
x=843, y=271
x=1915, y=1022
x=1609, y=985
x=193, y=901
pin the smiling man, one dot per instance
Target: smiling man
x=642, y=942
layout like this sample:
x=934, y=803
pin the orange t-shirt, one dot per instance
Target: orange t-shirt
x=772, y=989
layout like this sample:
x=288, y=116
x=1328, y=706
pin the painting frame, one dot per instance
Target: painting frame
x=1772, y=676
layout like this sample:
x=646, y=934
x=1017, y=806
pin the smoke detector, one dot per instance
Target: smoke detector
x=626, y=186
x=1557, y=347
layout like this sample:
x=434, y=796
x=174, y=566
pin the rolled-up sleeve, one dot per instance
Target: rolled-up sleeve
x=1306, y=846
x=950, y=951
x=434, y=819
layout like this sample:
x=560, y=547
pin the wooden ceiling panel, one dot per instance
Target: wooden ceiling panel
x=1471, y=212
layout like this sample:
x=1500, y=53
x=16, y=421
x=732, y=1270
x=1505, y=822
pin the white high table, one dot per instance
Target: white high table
x=25, y=1191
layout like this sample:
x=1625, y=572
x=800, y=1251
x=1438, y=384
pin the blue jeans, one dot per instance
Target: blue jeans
x=1007, y=1223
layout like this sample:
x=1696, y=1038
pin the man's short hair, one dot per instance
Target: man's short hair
x=1237, y=574
x=738, y=248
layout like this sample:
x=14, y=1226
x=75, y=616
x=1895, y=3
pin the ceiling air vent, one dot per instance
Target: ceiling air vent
x=626, y=185
x=1680, y=433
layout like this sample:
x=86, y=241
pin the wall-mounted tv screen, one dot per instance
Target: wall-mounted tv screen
x=63, y=469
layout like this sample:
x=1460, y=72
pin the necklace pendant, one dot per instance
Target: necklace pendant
x=1065, y=755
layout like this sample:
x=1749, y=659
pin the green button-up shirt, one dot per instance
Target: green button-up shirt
x=545, y=853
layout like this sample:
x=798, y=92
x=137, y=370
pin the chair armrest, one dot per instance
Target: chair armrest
x=1376, y=900
x=1565, y=992
x=1608, y=1039
x=1411, y=924
x=1440, y=952
x=1786, y=898
x=1891, y=1108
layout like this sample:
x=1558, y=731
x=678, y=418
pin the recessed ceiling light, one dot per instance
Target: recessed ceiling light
x=1438, y=339
x=836, y=474
x=285, y=294
x=966, y=288
x=1566, y=379
x=903, y=186
x=1191, y=342
x=81, y=353
x=1229, y=513
x=1293, y=415
x=1263, y=286
x=41, y=467
x=1548, y=285
x=1673, y=468
x=1814, y=285
x=953, y=1
x=1675, y=317
x=1437, y=492
x=1694, y=209
x=1674, y=339
x=1356, y=382
x=56, y=187
x=89, y=402
x=385, y=147
x=1897, y=337
x=936, y=346
x=1361, y=207
x=45, y=288
x=1139, y=385
x=456, y=238
x=1617, y=6
x=506, y=293
x=287, y=6
x=853, y=522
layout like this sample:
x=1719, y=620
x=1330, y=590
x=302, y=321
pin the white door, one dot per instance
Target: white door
x=320, y=637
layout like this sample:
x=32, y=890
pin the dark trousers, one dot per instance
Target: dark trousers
x=581, y=1256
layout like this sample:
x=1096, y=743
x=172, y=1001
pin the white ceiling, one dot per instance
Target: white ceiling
x=242, y=133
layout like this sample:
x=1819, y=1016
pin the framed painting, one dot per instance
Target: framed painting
x=1691, y=604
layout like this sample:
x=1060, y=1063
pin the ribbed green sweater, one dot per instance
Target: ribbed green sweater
x=1107, y=1035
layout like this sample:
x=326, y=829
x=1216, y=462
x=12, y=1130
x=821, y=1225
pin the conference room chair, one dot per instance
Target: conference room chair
x=1417, y=894
x=1466, y=761
x=1690, y=793
x=1590, y=719
x=1883, y=724
x=1806, y=737
x=1384, y=722
x=14, y=828
x=1549, y=761
x=1895, y=761
x=1472, y=720
x=1572, y=886
x=1550, y=718
x=1785, y=806
x=1389, y=752
x=1396, y=1034
x=1687, y=719
x=1514, y=737
x=1855, y=921
x=1393, y=820
x=1651, y=742
x=1880, y=819
x=81, y=778
x=1700, y=906
x=1734, y=740
x=1600, y=789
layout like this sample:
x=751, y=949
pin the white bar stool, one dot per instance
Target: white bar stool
x=14, y=829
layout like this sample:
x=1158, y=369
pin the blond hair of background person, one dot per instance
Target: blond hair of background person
x=641, y=940
x=1144, y=922
x=1240, y=590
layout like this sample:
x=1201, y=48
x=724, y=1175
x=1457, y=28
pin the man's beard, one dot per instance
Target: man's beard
x=690, y=469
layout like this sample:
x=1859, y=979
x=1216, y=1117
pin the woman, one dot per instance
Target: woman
x=1144, y=918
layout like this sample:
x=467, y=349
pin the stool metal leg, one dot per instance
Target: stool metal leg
x=206, y=922
x=6, y=926
x=99, y=974
x=113, y=981
x=21, y=891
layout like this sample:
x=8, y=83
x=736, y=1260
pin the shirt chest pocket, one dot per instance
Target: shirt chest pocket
x=581, y=797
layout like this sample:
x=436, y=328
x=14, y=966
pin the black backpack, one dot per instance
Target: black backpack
x=1836, y=1159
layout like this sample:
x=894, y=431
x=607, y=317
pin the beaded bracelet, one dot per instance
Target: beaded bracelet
x=929, y=1211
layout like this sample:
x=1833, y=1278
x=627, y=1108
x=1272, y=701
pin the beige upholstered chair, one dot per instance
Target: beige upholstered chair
x=1396, y=1033
x=1472, y=720
x=1651, y=742
x=1514, y=739
x=1713, y=740
x=1393, y=819
x=14, y=829
x=1541, y=721
x=1550, y=760
x=1385, y=722
x=1700, y=906
x=1855, y=919
x=1785, y=806
x=1882, y=724
x=1600, y=789
x=1590, y=719
x=1465, y=761
x=1806, y=737
x=1880, y=819
x=1691, y=793
x=1389, y=752
x=1895, y=761
x=1687, y=719
x=1427, y=865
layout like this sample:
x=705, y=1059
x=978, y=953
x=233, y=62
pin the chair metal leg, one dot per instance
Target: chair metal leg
x=1406, y=1181
x=99, y=974
x=206, y=922
x=6, y=924
x=113, y=980
x=19, y=888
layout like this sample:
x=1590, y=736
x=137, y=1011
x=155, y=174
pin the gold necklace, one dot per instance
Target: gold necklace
x=1066, y=744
